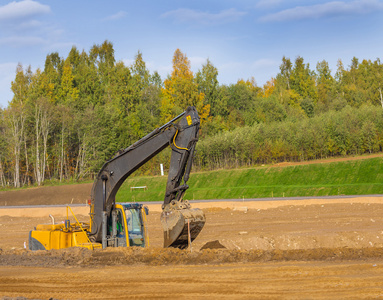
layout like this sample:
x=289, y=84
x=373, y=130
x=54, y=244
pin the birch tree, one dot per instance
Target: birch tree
x=42, y=118
x=3, y=147
x=16, y=117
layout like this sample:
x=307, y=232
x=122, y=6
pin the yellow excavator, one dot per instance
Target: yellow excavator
x=124, y=224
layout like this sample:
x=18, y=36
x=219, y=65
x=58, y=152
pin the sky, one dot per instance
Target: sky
x=241, y=38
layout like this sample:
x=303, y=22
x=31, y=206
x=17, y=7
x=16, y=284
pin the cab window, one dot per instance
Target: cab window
x=135, y=227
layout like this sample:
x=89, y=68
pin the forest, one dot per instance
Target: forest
x=66, y=120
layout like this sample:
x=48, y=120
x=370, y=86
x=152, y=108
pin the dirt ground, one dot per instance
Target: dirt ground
x=47, y=195
x=310, y=249
x=303, y=249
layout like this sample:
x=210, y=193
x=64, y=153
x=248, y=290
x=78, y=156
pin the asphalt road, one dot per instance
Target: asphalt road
x=217, y=200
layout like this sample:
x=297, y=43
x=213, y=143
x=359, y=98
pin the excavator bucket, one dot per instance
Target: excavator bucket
x=177, y=223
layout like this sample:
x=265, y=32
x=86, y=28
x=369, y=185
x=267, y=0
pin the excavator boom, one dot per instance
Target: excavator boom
x=181, y=134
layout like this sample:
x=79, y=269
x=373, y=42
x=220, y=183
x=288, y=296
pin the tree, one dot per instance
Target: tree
x=282, y=87
x=207, y=81
x=303, y=80
x=156, y=80
x=87, y=80
x=3, y=148
x=43, y=118
x=73, y=58
x=53, y=69
x=140, y=73
x=370, y=81
x=16, y=116
x=67, y=92
x=268, y=88
x=286, y=69
x=269, y=110
x=181, y=90
x=103, y=57
x=123, y=92
x=40, y=117
x=325, y=82
x=349, y=84
x=241, y=95
x=146, y=112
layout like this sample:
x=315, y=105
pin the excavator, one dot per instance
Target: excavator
x=124, y=224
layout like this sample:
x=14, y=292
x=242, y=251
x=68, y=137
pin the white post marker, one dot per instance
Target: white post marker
x=162, y=169
x=189, y=237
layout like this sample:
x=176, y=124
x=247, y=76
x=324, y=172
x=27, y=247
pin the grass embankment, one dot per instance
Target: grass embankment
x=356, y=177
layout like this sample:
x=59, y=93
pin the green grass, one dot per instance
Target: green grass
x=358, y=177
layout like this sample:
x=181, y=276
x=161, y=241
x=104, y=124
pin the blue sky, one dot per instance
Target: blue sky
x=242, y=38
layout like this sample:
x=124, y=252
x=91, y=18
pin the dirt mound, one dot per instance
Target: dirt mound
x=159, y=256
x=52, y=258
x=213, y=245
x=47, y=195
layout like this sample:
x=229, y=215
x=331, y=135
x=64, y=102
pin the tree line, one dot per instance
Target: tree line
x=66, y=120
x=350, y=131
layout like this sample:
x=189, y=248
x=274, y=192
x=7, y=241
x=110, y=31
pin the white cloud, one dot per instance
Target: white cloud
x=184, y=15
x=21, y=10
x=22, y=41
x=196, y=62
x=329, y=9
x=120, y=15
x=29, y=25
x=228, y=66
x=264, y=63
x=65, y=46
x=163, y=70
x=22, y=25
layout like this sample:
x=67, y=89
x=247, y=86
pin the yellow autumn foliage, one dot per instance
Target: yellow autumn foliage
x=181, y=90
x=268, y=88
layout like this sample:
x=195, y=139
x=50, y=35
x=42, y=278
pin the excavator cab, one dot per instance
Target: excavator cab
x=127, y=226
x=135, y=215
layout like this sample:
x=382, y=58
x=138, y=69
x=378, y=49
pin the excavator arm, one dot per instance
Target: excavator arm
x=178, y=218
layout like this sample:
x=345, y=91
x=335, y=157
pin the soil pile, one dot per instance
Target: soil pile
x=166, y=257
x=47, y=195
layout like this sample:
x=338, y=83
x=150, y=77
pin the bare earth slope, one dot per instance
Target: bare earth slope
x=47, y=195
